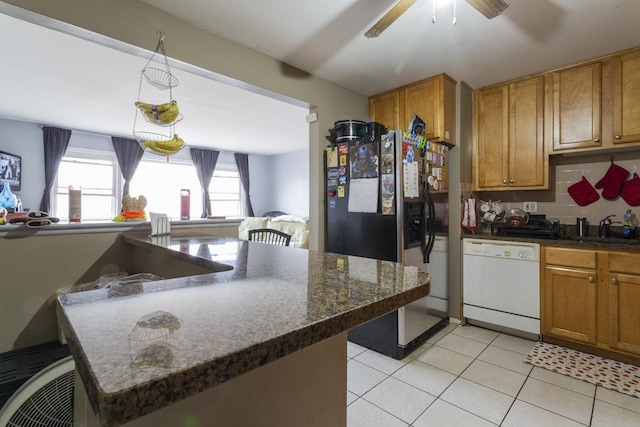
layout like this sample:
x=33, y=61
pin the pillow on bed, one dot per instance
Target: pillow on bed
x=273, y=214
x=291, y=218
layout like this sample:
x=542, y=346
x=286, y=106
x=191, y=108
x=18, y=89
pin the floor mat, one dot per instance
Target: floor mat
x=587, y=367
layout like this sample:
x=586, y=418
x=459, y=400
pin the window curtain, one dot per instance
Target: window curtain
x=242, y=162
x=205, y=163
x=128, y=153
x=55, y=143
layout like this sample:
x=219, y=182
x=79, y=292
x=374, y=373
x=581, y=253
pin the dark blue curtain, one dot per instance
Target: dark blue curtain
x=242, y=161
x=55, y=142
x=129, y=153
x=205, y=163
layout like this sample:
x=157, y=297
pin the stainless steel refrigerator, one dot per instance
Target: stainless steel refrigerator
x=380, y=192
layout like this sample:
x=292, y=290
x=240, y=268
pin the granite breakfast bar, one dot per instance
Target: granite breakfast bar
x=261, y=340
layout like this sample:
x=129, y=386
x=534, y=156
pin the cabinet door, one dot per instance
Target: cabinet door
x=626, y=98
x=433, y=100
x=491, y=138
x=528, y=165
x=385, y=109
x=623, y=282
x=577, y=107
x=569, y=298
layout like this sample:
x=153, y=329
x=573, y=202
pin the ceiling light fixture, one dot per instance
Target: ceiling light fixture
x=444, y=3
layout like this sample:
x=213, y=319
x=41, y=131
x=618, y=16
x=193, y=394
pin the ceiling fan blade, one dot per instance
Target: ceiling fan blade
x=389, y=17
x=489, y=8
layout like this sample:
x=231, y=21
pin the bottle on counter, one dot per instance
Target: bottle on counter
x=629, y=225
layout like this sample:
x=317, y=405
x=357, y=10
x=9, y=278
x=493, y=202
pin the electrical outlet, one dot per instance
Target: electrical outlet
x=530, y=206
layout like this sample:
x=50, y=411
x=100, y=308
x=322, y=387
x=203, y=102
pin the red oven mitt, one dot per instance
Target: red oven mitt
x=583, y=192
x=612, y=181
x=631, y=191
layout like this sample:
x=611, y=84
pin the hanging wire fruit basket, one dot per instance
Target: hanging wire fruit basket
x=164, y=115
x=160, y=144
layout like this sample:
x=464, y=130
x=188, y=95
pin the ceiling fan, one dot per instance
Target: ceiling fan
x=489, y=8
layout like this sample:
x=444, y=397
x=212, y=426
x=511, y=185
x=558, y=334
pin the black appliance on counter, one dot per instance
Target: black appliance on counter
x=386, y=229
x=538, y=227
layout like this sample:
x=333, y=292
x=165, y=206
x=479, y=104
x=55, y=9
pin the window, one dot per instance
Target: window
x=96, y=173
x=161, y=182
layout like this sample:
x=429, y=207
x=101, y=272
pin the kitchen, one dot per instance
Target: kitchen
x=466, y=183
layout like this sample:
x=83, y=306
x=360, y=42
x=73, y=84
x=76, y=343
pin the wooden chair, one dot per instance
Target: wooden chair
x=269, y=235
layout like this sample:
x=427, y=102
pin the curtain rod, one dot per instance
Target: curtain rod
x=86, y=132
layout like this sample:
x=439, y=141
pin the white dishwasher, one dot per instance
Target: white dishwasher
x=501, y=283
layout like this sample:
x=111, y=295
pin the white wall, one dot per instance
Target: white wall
x=25, y=139
x=290, y=183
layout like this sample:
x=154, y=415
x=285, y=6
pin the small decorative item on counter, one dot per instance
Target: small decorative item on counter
x=35, y=219
x=7, y=198
x=631, y=191
x=3, y=216
x=612, y=181
x=132, y=209
x=629, y=226
x=583, y=192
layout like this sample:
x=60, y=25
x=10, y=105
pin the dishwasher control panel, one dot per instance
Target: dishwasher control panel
x=499, y=249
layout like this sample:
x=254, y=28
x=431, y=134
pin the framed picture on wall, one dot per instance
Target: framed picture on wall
x=10, y=170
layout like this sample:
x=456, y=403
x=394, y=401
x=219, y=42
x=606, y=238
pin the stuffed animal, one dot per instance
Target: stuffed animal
x=132, y=209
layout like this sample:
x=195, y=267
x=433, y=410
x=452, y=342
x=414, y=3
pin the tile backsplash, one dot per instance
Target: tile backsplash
x=565, y=171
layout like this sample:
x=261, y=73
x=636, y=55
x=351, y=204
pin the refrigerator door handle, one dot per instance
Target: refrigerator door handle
x=430, y=224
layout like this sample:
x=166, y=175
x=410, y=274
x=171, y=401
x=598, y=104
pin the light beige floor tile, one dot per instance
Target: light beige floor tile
x=364, y=414
x=557, y=399
x=400, y=399
x=618, y=399
x=354, y=349
x=447, y=360
x=605, y=414
x=475, y=333
x=506, y=358
x=523, y=414
x=462, y=345
x=441, y=413
x=479, y=400
x=564, y=381
x=425, y=377
x=418, y=351
x=509, y=342
x=351, y=398
x=362, y=378
x=495, y=377
x=443, y=333
x=382, y=363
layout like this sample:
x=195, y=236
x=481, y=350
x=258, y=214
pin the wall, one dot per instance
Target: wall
x=567, y=170
x=290, y=183
x=132, y=21
x=25, y=139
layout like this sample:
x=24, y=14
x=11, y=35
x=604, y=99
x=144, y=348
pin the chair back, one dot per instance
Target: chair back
x=269, y=235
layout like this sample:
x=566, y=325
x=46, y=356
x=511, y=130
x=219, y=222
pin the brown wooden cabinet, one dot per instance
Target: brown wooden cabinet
x=508, y=138
x=433, y=100
x=569, y=306
x=577, y=93
x=626, y=97
x=592, y=297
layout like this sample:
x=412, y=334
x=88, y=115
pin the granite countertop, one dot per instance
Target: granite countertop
x=609, y=243
x=141, y=347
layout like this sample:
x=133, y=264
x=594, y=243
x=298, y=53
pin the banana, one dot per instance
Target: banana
x=164, y=113
x=171, y=146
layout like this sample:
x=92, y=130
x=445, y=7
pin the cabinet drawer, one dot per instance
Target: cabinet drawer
x=571, y=257
x=623, y=262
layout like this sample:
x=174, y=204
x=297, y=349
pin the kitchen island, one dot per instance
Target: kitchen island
x=259, y=341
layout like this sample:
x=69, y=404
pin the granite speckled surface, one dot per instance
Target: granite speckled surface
x=610, y=243
x=142, y=347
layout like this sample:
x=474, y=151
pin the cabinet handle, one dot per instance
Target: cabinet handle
x=591, y=279
x=511, y=181
x=596, y=140
x=614, y=281
x=504, y=181
x=618, y=137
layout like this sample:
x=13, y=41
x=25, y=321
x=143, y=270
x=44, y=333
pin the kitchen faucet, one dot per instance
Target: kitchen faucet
x=604, y=229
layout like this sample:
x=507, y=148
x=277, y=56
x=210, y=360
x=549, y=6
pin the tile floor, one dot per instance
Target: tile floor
x=469, y=376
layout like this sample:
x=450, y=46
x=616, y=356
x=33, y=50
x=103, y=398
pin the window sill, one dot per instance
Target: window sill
x=63, y=227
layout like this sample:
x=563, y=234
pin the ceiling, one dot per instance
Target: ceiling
x=73, y=82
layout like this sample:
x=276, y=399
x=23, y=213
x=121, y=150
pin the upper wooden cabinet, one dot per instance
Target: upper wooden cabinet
x=626, y=97
x=508, y=137
x=577, y=103
x=433, y=100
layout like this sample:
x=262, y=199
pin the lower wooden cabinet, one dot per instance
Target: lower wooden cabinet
x=592, y=297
